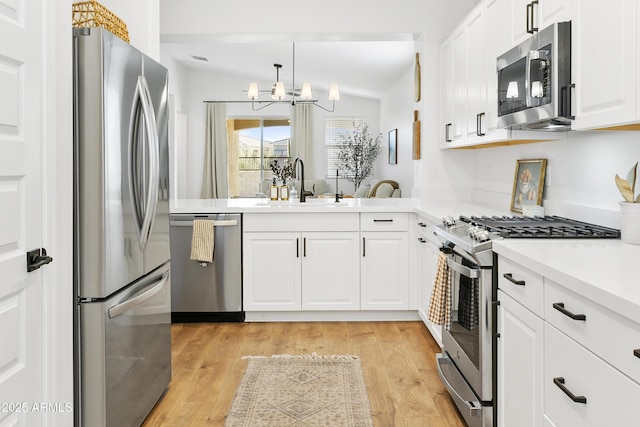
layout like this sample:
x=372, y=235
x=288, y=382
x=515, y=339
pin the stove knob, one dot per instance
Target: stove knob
x=483, y=236
x=449, y=221
x=473, y=232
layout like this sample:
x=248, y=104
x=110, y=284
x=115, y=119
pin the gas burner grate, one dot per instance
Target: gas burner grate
x=540, y=227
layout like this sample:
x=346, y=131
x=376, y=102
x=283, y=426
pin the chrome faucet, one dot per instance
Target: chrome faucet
x=303, y=193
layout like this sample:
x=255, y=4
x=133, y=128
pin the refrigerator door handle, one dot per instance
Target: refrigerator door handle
x=143, y=175
x=153, y=146
x=152, y=289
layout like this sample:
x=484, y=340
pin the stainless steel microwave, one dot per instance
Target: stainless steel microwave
x=534, y=82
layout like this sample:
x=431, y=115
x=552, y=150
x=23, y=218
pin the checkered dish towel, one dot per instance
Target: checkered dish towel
x=440, y=304
x=202, y=240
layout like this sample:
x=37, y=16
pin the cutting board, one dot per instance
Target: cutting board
x=416, y=136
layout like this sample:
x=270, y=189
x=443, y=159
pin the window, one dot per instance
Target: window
x=335, y=130
x=252, y=145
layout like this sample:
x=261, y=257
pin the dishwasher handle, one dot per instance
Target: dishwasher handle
x=216, y=223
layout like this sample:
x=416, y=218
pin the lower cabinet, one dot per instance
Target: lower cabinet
x=330, y=271
x=583, y=390
x=271, y=271
x=567, y=361
x=520, y=360
x=385, y=270
x=428, y=250
x=287, y=271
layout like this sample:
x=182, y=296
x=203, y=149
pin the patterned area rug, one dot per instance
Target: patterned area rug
x=301, y=391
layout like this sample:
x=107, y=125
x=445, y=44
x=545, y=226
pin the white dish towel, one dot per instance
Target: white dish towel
x=202, y=240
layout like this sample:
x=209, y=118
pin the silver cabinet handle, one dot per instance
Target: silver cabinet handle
x=123, y=307
x=382, y=220
x=447, y=137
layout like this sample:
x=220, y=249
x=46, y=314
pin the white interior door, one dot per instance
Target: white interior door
x=21, y=211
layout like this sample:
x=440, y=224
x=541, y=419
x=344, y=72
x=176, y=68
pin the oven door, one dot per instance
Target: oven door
x=468, y=342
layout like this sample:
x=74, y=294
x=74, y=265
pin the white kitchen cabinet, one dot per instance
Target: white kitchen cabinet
x=453, y=88
x=520, y=364
x=271, y=271
x=604, y=63
x=602, y=395
x=301, y=271
x=384, y=261
x=427, y=248
x=530, y=16
x=330, y=271
x=558, y=364
x=469, y=80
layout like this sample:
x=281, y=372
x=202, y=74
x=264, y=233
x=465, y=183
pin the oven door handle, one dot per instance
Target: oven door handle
x=466, y=271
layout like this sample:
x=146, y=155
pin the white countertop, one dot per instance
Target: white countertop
x=602, y=270
x=434, y=210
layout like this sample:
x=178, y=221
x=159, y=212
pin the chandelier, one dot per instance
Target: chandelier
x=279, y=93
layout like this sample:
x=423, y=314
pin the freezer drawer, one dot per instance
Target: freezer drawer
x=207, y=291
x=125, y=352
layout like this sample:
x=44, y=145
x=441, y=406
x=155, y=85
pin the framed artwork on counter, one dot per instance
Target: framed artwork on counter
x=528, y=183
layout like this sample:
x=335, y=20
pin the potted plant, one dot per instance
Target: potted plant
x=358, y=152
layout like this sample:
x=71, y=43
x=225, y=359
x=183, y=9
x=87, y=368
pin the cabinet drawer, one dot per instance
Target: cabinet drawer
x=313, y=221
x=392, y=221
x=521, y=284
x=611, y=336
x=611, y=397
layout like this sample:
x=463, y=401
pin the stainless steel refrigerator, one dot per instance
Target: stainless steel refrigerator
x=121, y=231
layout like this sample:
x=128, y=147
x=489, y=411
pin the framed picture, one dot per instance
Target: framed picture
x=528, y=183
x=393, y=146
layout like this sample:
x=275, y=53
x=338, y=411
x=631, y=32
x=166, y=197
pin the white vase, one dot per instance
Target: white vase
x=630, y=222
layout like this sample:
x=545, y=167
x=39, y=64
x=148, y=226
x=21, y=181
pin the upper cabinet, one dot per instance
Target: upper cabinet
x=528, y=17
x=468, y=90
x=604, y=56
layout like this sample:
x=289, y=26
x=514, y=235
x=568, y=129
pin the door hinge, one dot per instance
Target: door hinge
x=37, y=258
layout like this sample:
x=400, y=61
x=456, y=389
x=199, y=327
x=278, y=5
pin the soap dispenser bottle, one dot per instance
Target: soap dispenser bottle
x=274, y=190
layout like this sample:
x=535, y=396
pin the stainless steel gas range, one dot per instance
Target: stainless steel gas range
x=467, y=364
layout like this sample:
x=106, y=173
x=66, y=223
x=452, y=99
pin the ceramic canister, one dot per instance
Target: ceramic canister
x=630, y=222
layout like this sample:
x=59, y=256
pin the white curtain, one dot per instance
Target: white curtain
x=215, y=180
x=301, y=137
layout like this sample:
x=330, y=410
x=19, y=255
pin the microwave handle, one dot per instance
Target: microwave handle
x=527, y=80
x=565, y=101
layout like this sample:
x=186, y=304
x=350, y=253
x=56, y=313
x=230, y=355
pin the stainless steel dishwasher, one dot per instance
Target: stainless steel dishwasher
x=207, y=292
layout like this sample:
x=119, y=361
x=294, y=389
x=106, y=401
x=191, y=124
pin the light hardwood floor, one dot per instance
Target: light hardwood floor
x=398, y=362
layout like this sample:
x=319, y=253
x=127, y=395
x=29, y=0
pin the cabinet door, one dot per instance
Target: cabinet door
x=330, y=271
x=497, y=12
x=528, y=15
x=520, y=364
x=427, y=264
x=446, y=92
x=476, y=78
x=611, y=398
x=550, y=11
x=385, y=271
x=604, y=50
x=271, y=271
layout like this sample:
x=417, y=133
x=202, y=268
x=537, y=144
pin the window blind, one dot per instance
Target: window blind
x=335, y=131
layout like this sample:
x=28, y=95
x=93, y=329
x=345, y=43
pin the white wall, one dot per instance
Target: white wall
x=207, y=86
x=580, y=170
